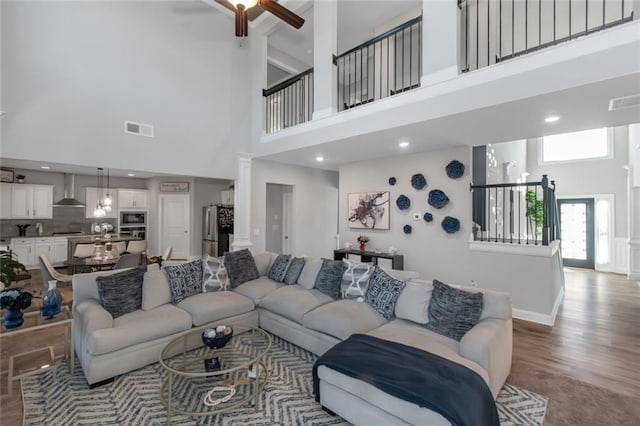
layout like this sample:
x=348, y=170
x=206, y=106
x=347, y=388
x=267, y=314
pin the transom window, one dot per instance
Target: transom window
x=585, y=145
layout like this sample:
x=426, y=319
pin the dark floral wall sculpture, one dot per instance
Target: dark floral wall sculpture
x=451, y=225
x=437, y=199
x=403, y=202
x=418, y=181
x=407, y=229
x=455, y=169
x=392, y=181
x=428, y=217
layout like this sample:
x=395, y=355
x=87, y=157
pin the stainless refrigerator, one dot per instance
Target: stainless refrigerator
x=217, y=225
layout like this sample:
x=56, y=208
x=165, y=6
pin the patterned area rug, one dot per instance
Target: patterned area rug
x=133, y=398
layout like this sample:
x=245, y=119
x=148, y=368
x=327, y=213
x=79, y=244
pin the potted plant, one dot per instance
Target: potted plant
x=10, y=268
x=535, y=213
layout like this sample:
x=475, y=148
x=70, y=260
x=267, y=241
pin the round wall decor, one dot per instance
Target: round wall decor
x=407, y=229
x=428, y=217
x=455, y=169
x=437, y=198
x=392, y=180
x=418, y=181
x=451, y=225
x=403, y=202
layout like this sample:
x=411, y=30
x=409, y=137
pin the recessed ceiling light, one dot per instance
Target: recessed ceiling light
x=45, y=167
x=319, y=158
x=131, y=174
x=552, y=119
x=403, y=144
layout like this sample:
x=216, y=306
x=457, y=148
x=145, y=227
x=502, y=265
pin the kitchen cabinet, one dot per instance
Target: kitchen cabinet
x=5, y=201
x=59, y=251
x=132, y=199
x=43, y=247
x=227, y=197
x=92, y=198
x=24, y=248
x=31, y=201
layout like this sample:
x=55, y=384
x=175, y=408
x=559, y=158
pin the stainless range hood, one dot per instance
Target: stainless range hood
x=69, y=195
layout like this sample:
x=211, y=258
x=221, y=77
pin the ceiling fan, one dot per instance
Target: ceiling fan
x=248, y=10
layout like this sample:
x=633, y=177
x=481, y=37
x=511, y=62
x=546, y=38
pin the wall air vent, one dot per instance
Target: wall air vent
x=624, y=102
x=139, y=129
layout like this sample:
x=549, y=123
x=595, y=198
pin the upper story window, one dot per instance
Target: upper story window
x=585, y=145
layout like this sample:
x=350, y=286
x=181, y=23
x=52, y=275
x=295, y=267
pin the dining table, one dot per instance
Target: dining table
x=92, y=264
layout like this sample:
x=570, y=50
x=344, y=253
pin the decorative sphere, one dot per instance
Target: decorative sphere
x=407, y=229
x=455, y=169
x=451, y=225
x=418, y=181
x=437, y=198
x=392, y=181
x=428, y=217
x=217, y=339
x=403, y=202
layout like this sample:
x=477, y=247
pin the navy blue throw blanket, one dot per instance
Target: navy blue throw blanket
x=457, y=393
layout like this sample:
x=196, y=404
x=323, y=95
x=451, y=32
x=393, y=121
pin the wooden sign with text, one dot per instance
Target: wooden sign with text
x=174, y=186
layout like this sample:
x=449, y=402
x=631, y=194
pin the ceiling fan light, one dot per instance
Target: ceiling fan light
x=247, y=4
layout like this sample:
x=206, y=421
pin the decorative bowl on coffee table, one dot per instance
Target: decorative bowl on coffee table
x=217, y=338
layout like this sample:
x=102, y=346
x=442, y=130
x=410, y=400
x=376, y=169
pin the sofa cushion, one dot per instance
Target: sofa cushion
x=214, y=275
x=330, y=277
x=121, y=293
x=240, y=267
x=155, y=289
x=383, y=292
x=257, y=289
x=401, y=275
x=342, y=318
x=279, y=267
x=293, y=301
x=307, y=277
x=453, y=312
x=184, y=280
x=294, y=270
x=208, y=307
x=413, y=302
x=138, y=327
x=263, y=261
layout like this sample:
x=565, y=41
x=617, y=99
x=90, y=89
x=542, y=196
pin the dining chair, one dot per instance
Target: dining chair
x=49, y=273
x=137, y=246
x=83, y=250
x=128, y=261
x=119, y=247
x=167, y=254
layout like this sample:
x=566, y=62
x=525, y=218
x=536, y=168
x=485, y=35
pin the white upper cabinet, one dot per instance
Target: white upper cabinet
x=132, y=199
x=5, y=201
x=91, y=201
x=31, y=201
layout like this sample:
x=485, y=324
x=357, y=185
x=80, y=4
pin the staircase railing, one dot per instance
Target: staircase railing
x=516, y=213
x=289, y=103
x=388, y=64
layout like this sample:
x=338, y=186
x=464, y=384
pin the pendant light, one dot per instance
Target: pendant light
x=107, y=199
x=99, y=210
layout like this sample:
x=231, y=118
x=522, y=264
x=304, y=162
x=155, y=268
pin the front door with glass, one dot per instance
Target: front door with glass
x=577, y=232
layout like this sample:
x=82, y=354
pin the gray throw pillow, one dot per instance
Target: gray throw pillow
x=453, y=312
x=383, y=292
x=278, y=270
x=294, y=270
x=121, y=293
x=329, y=278
x=241, y=267
x=185, y=280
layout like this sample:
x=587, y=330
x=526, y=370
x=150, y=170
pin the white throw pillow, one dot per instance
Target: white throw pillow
x=355, y=279
x=413, y=303
x=214, y=275
x=307, y=278
x=155, y=288
x=264, y=261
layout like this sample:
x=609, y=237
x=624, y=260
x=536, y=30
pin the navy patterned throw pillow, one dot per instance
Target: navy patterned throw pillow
x=294, y=271
x=330, y=277
x=279, y=267
x=383, y=292
x=185, y=280
x=241, y=267
x=453, y=312
x=121, y=293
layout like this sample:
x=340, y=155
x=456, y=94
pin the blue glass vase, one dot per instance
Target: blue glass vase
x=13, y=318
x=51, y=302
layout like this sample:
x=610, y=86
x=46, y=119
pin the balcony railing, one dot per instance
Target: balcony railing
x=388, y=64
x=516, y=213
x=497, y=30
x=289, y=103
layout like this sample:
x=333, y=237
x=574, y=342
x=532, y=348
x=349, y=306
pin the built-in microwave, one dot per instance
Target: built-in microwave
x=133, y=218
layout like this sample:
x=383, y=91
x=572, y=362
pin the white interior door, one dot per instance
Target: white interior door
x=287, y=231
x=175, y=224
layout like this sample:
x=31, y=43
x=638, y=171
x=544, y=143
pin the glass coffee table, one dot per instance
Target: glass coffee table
x=238, y=378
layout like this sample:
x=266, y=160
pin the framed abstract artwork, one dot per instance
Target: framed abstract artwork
x=369, y=210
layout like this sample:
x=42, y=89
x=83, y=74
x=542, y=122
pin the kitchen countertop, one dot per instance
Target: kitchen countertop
x=44, y=235
x=89, y=238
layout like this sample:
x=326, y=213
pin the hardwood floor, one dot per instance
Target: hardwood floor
x=596, y=339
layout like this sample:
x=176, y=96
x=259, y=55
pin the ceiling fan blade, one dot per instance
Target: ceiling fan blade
x=282, y=12
x=242, y=23
x=245, y=23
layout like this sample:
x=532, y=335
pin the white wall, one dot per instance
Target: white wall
x=315, y=206
x=605, y=176
x=73, y=72
x=429, y=250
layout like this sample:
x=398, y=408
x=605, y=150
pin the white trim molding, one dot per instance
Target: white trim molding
x=520, y=249
x=537, y=317
x=620, y=256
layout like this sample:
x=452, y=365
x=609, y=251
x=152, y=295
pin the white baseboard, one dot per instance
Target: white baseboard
x=537, y=317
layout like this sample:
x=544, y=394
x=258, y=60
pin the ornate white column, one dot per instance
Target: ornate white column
x=242, y=204
x=440, y=34
x=325, y=45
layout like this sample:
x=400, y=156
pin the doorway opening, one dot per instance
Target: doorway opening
x=577, y=232
x=279, y=218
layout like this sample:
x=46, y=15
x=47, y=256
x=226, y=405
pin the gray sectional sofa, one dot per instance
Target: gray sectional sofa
x=302, y=315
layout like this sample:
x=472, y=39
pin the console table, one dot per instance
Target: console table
x=397, y=260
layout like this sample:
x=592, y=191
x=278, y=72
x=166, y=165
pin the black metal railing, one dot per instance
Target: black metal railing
x=497, y=30
x=516, y=213
x=388, y=64
x=289, y=103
